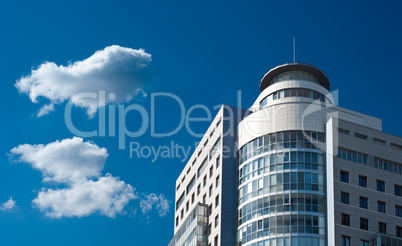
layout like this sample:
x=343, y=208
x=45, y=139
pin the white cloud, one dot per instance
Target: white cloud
x=108, y=196
x=8, y=205
x=65, y=161
x=119, y=70
x=45, y=110
x=77, y=165
x=161, y=204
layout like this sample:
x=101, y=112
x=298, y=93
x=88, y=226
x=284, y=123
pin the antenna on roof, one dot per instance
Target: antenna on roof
x=294, y=49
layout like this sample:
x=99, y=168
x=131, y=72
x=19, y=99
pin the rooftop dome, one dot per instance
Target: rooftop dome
x=293, y=71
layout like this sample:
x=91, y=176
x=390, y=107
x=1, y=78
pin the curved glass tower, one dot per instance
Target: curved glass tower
x=294, y=169
x=281, y=160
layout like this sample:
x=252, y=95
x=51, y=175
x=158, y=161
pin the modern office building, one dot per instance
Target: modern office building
x=294, y=169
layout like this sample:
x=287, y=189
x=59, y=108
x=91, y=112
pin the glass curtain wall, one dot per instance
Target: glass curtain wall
x=281, y=190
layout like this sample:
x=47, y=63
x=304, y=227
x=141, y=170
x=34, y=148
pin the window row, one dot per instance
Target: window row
x=344, y=177
x=180, y=200
x=351, y=155
x=288, y=241
x=387, y=165
x=364, y=223
x=380, y=184
x=282, y=224
x=281, y=158
x=281, y=182
x=281, y=203
x=280, y=141
x=215, y=148
x=358, y=135
x=191, y=184
x=281, y=161
x=346, y=241
x=363, y=203
x=381, y=228
x=294, y=75
x=292, y=92
x=281, y=167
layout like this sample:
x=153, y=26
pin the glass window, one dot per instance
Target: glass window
x=273, y=179
x=382, y=227
x=293, y=92
x=294, y=75
x=361, y=136
x=300, y=92
x=363, y=202
x=399, y=231
x=263, y=103
x=345, y=241
x=351, y=155
x=180, y=200
x=344, y=197
x=362, y=181
x=287, y=92
x=191, y=184
x=345, y=219
x=398, y=211
x=364, y=224
x=345, y=176
x=282, y=94
x=398, y=190
x=269, y=99
x=308, y=93
x=381, y=206
x=364, y=243
x=316, y=95
x=380, y=186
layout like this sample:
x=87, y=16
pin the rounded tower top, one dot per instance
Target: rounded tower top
x=294, y=71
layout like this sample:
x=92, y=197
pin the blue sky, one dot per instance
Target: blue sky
x=201, y=51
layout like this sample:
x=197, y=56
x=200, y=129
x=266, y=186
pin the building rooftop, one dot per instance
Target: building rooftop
x=280, y=73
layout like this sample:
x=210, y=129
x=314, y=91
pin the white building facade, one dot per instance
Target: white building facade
x=275, y=174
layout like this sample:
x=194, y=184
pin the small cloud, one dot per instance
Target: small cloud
x=108, y=196
x=66, y=161
x=151, y=200
x=45, y=110
x=8, y=205
x=115, y=69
